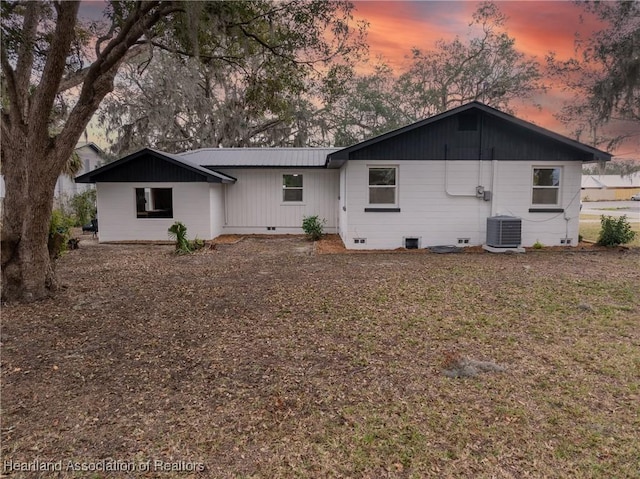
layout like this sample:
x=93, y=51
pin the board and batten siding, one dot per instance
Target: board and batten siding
x=117, y=219
x=438, y=206
x=254, y=203
x=514, y=186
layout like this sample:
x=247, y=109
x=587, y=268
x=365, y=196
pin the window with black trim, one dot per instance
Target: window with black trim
x=383, y=188
x=292, y=188
x=154, y=203
x=546, y=186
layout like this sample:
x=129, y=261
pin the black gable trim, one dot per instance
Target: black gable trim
x=149, y=166
x=511, y=138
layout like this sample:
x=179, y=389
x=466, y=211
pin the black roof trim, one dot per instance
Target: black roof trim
x=262, y=167
x=211, y=176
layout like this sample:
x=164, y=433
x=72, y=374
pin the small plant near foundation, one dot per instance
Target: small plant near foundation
x=313, y=227
x=615, y=231
x=178, y=232
x=538, y=245
x=197, y=244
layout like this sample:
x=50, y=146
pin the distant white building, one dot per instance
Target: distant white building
x=609, y=187
x=91, y=156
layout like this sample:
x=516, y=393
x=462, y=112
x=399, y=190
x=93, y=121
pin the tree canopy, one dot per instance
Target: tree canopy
x=47, y=53
x=248, y=97
x=604, y=77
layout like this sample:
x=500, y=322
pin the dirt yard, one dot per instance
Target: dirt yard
x=264, y=359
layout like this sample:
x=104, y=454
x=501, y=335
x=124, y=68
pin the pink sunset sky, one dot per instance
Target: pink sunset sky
x=538, y=27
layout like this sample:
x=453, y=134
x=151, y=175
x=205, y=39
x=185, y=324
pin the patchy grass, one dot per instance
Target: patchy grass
x=591, y=231
x=262, y=359
x=615, y=208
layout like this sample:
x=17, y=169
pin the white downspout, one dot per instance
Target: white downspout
x=226, y=209
x=494, y=186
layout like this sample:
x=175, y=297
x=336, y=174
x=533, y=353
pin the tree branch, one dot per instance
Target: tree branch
x=226, y=58
x=77, y=78
x=25, y=53
x=54, y=67
x=100, y=75
x=5, y=123
x=15, y=101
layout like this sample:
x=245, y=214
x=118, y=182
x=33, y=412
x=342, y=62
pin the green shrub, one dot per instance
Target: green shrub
x=615, y=231
x=84, y=207
x=59, y=233
x=538, y=245
x=313, y=227
x=196, y=244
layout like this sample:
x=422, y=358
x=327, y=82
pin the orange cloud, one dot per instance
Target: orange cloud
x=541, y=27
x=397, y=26
x=538, y=27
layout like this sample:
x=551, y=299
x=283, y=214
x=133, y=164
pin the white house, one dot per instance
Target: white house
x=450, y=179
x=91, y=156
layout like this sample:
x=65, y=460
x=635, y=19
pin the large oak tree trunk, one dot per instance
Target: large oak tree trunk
x=27, y=272
x=32, y=159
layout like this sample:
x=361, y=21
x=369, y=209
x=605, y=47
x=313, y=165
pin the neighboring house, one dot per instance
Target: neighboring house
x=610, y=187
x=434, y=182
x=91, y=156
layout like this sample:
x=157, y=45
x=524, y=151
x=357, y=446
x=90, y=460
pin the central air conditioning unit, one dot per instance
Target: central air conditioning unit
x=504, y=231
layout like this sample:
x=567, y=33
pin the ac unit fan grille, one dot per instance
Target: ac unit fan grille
x=504, y=232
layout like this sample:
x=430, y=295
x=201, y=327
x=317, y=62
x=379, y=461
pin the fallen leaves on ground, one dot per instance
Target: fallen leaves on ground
x=262, y=358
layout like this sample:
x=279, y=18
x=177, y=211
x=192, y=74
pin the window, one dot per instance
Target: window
x=382, y=186
x=154, y=203
x=292, y=188
x=546, y=186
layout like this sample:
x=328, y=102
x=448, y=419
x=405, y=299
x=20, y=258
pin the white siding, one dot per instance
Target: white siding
x=216, y=205
x=254, y=202
x=514, y=180
x=438, y=204
x=117, y=219
x=342, y=212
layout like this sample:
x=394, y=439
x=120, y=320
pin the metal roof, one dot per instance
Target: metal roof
x=258, y=157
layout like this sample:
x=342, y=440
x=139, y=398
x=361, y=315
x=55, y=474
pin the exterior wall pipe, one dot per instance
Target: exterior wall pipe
x=494, y=185
x=446, y=180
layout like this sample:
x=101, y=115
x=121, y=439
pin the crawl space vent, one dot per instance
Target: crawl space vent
x=411, y=243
